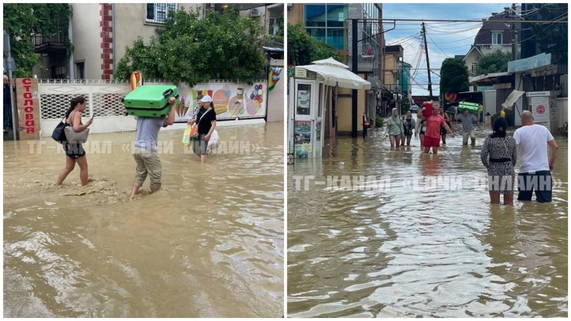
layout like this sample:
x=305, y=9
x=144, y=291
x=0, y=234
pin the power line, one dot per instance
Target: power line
x=462, y=20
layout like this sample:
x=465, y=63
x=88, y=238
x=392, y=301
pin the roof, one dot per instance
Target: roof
x=473, y=48
x=336, y=74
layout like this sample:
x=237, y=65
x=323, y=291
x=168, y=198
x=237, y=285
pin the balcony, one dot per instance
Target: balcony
x=55, y=43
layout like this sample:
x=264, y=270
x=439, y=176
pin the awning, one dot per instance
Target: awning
x=330, y=61
x=512, y=99
x=488, y=77
x=537, y=61
x=336, y=74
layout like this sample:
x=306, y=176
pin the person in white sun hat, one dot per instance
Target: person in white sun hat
x=206, y=122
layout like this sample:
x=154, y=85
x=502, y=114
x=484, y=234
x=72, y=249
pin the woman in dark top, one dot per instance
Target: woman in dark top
x=75, y=152
x=206, y=119
x=409, y=125
x=499, y=157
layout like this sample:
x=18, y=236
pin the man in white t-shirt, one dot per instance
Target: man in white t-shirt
x=533, y=142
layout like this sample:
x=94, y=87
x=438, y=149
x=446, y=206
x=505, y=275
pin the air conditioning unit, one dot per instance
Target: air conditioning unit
x=255, y=13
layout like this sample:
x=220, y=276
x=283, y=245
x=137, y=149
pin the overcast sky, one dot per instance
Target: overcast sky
x=444, y=39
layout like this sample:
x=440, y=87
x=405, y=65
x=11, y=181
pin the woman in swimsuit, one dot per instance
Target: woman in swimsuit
x=74, y=151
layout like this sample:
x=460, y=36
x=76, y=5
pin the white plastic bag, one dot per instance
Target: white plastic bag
x=213, y=141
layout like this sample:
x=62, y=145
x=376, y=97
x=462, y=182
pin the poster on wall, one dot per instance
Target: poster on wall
x=302, y=138
x=230, y=100
x=303, y=99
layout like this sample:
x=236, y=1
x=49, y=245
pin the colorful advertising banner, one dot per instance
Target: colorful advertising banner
x=230, y=100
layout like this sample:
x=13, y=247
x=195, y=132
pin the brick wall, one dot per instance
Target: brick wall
x=106, y=34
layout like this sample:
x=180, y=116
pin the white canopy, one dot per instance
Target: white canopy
x=330, y=61
x=336, y=74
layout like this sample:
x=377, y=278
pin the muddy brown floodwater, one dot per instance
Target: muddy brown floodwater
x=210, y=244
x=409, y=252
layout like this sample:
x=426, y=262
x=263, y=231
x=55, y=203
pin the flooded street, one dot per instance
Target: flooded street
x=209, y=244
x=407, y=252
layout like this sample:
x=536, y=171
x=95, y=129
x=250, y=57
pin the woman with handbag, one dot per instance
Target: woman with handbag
x=203, y=126
x=499, y=157
x=72, y=145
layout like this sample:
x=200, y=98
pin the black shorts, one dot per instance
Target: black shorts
x=74, y=151
x=539, y=182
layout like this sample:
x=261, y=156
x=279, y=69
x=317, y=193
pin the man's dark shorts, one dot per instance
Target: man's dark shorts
x=540, y=182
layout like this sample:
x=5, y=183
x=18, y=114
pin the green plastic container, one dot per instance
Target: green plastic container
x=150, y=100
x=471, y=107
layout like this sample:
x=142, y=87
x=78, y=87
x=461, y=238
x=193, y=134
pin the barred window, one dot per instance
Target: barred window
x=158, y=12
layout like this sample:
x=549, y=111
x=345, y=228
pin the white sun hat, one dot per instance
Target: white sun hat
x=206, y=99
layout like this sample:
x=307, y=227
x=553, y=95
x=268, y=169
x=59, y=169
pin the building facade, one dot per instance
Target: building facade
x=101, y=33
x=494, y=36
x=332, y=24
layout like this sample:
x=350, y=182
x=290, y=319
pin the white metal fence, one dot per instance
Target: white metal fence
x=104, y=102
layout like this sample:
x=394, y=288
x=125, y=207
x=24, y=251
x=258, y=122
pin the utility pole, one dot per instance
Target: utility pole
x=355, y=69
x=427, y=61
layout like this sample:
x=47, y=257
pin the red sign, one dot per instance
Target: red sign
x=451, y=97
x=28, y=108
x=540, y=109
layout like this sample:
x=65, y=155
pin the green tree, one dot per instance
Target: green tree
x=302, y=49
x=453, y=76
x=23, y=20
x=494, y=62
x=188, y=49
x=550, y=38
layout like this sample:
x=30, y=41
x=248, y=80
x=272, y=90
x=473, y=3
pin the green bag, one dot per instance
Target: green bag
x=150, y=100
x=471, y=107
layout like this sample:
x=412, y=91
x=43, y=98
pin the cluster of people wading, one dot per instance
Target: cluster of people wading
x=145, y=152
x=532, y=146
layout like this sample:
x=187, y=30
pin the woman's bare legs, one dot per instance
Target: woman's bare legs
x=83, y=174
x=69, y=165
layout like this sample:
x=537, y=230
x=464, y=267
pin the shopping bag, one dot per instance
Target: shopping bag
x=74, y=137
x=213, y=141
x=186, y=135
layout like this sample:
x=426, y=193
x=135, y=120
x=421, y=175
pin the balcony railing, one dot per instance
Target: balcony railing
x=45, y=43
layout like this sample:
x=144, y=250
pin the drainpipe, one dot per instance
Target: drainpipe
x=71, y=71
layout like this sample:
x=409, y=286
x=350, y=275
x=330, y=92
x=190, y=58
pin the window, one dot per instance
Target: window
x=325, y=22
x=158, y=12
x=80, y=67
x=474, y=67
x=497, y=38
x=275, y=25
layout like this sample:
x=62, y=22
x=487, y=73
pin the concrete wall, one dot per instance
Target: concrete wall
x=470, y=59
x=86, y=39
x=275, y=109
x=391, y=71
x=295, y=13
x=558, y=114
x=344, y=111
x=130, y=25
x=489, y=97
